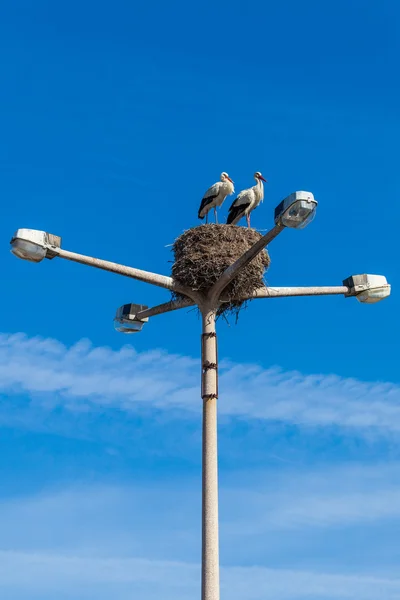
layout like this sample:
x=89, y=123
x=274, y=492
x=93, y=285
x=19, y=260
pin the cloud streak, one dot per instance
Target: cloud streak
x=143, y=514
x=83, y=375
x=143, y=540
x=49, y=573
x=338, y=498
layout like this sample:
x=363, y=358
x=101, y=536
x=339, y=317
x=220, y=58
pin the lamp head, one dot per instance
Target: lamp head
x=34, y=245
x=368, y=289
x=296, y=211
x=126, y=321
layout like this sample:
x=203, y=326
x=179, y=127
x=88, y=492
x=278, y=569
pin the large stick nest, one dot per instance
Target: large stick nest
x=202, y=254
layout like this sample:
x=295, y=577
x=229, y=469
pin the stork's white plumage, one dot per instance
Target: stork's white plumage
x=215, y=195
x=247, y=201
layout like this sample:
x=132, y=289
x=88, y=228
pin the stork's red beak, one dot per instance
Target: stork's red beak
x=229, y=179
x=261, y=177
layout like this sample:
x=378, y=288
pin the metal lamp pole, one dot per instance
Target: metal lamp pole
x=209, y=394
x=35, y=245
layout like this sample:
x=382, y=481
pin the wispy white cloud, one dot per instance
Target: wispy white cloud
x=160, y=519
x=142, y=539
x=81, y=375
x=73, y=576
x=340, y=497
x=125, y=578
x=339, y=509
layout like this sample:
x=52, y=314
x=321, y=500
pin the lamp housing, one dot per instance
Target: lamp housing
x=126, y=320
x=368, y=289
x=34, y=245
x=296, y=211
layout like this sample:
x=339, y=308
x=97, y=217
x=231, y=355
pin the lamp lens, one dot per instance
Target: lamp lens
x=28, y=250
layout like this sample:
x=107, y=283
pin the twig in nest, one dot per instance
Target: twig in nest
x=202, y=254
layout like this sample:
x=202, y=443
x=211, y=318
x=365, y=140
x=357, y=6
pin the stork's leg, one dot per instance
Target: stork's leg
x=215, y=213
x=206, y=218
x=248, y=220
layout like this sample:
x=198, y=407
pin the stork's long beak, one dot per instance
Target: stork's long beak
x=229, y=179
x=261, y=177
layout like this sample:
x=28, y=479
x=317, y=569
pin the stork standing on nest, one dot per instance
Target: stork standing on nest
x=215, y=195
x=247, y=201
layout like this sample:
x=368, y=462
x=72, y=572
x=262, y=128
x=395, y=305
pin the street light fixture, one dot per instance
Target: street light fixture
x=33, y=245
x=296, y=211
x=126, y=320
x=368, y=289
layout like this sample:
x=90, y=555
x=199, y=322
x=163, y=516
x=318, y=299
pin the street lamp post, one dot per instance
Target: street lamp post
x=296, y=211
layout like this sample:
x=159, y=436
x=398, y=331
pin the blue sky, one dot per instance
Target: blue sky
x=115, y=117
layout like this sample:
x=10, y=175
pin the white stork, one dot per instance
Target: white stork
x=215, y=195
x=247, y=201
